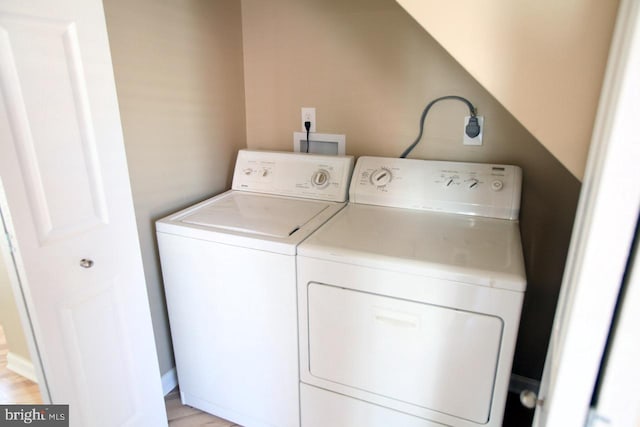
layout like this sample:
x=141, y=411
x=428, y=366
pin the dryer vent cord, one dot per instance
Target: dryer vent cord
x=472, y=129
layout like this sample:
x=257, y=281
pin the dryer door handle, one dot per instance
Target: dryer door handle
x=397, y=318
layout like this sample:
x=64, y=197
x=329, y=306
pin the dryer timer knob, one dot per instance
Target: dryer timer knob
x=496, y=185
x=381, y=177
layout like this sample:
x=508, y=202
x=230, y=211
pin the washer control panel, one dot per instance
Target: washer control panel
x=489, y=190
x=310, y=176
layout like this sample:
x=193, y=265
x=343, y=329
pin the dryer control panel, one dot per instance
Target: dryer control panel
x=489, y=190
x=304, y=175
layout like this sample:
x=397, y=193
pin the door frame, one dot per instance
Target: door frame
x=616, y=402
x=602, y=237
x=11, y=257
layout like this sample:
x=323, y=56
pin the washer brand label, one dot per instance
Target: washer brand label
x=34, y=415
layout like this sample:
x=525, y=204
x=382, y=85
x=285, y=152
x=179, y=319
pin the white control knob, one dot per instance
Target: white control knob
x=496, y=185
x=472, y=184
x=247, y=171
x=265, y=172
x=449, y=181
x=381, y=177
x=320, y=179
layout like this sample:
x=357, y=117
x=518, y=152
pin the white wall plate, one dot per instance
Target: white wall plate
x=321, y=143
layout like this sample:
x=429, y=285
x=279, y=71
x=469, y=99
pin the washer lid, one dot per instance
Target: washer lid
x=474, y=250
x=256, y=214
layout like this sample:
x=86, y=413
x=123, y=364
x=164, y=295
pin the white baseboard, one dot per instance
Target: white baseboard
x=21, y=366
x=169, y=380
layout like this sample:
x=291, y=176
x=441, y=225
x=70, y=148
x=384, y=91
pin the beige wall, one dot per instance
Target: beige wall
x=370, y=69
x=179, y=78
x=9, y=317
x=544, y=61
x=366, y=66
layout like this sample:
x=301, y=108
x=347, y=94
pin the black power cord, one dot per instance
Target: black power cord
x=307, y=126
x=472, y=130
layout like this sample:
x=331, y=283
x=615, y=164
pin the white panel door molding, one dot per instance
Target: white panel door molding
x=69, y=209
x=24, y=42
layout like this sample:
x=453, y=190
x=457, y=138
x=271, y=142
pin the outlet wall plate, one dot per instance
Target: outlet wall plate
x=478, y=139
x=321, y=143
x=308, y=114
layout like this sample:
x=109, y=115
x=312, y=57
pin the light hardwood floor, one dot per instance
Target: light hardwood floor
x=14, y=389
x=180, y=415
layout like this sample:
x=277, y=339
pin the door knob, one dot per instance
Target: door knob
x=86, y=263
x=529, y=399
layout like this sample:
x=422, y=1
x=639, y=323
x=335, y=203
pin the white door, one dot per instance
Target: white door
x=601, y=243
x=64, y=173
x=618, y=400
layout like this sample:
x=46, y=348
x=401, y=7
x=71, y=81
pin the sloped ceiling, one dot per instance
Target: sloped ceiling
x=543, y=60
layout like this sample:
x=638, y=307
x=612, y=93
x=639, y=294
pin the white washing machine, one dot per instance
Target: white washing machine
x=409, y=299
x=229, y=272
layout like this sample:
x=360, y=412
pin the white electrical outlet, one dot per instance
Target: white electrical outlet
x=478, y=139
x=308, y=115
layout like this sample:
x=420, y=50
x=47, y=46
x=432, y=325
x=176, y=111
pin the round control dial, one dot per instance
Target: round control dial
x=320, y=179
x=381, y=177
x=451, y=181
x=496, y=185
x=472, y=183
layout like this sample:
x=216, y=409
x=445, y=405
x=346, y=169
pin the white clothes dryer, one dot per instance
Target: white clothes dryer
x=409, y=298
x=229, y=272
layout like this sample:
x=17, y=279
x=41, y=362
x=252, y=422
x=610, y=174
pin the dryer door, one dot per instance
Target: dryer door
x=419, y=354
